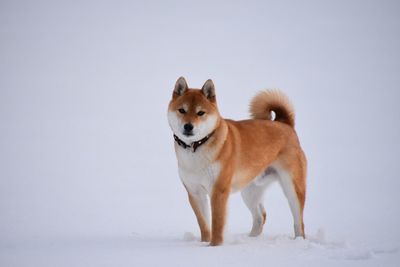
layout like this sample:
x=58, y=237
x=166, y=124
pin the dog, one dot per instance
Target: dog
x=217, y=156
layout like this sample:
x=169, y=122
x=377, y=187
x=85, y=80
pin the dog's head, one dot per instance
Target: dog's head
x=193, y=113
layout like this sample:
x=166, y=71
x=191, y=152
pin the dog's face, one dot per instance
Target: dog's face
x=193, y=113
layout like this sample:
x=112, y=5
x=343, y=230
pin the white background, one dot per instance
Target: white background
x=88, y=173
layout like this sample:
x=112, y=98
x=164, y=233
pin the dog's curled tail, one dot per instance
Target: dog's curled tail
x=274, y=100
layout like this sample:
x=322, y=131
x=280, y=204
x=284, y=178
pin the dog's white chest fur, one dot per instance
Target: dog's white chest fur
x=196, y=170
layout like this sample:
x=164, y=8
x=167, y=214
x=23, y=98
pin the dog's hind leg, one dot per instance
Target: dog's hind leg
x=253, y=196
x=293, y=186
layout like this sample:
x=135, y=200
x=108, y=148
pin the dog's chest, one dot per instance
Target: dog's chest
x=196, y=170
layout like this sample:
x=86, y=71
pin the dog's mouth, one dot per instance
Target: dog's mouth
x=185, y=133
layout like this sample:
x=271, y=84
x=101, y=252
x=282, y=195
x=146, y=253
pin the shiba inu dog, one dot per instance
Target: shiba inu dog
x=217, y=156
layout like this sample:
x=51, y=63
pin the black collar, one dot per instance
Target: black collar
x=194, y=145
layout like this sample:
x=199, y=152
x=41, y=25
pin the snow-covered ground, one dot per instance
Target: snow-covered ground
x=88, y=175
x=171, y=250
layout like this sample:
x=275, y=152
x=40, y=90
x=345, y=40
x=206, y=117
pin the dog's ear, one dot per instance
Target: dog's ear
x=180, y=86
x=208, y=89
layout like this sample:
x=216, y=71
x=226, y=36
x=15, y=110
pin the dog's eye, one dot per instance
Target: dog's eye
x=200, y=113
x=181, y=110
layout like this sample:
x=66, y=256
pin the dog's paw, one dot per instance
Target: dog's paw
x=216, y=242
x=205, y=238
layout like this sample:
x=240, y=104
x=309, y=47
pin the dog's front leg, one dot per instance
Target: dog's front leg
x=219, y=201
x=200, y=206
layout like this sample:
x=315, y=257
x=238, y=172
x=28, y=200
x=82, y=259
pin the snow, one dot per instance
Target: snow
x=88, y=175
x=239, y=250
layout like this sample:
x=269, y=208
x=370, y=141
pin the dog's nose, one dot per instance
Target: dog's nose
x=188, y=127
